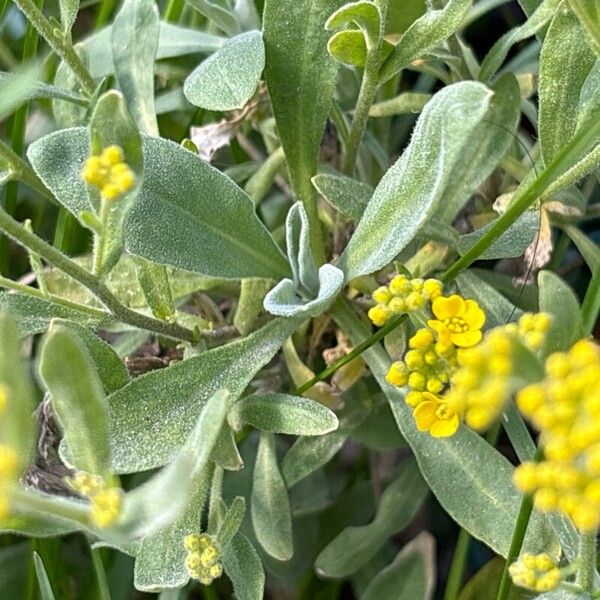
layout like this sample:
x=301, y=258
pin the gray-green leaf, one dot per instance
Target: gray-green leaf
x=227, y=79
x=410, y=190
x=78, y=399
x=348, y=196
x=167, y=402
x=355, y=546
x=283, y=413
x=134, y=46
x=270, y=503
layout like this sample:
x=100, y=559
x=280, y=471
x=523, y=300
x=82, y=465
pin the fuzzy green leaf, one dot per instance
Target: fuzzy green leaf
x=302, y=261
x=228, y=78
x=565, y=62
x=489, y=142
x=300, y=76
x=243, y=566
x=220, y=16
x=134, y=46
x=232, y=521
x=411, y=575
x=77, y=398
x=16, y=426
x=177, y=192
x=348, y=47
x=365, y=14
x=68, y=13
x=284, y=299
x=348, y=196
x=110, y=368
x=34, y=314
x=282, y=413
x=355, y=546
x=588, y=13
x=495, y=57
x=308, y=454
x=68, y=114
x=270, y=503
x=167, y=402
x=408, y=194
x=173, y=41
x=425, y=33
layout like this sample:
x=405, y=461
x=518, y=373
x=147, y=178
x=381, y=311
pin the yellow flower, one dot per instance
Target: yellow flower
x=435, y=416
x=380, y=314
x=106, y=507
x=203, y=561
x=539, y=573
x=109, y=173
x=458, y=321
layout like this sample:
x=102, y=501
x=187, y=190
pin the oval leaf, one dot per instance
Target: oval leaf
x=282, y=413
x=228, y=79
x=410, y=190
x=270, y=504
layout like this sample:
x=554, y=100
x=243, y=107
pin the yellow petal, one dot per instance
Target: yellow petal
x=448, y=307
x=466, y=339
x=435, y=325
x=425, y=416
x=473, y=315
x=444, y=428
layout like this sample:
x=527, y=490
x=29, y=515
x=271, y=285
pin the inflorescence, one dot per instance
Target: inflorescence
x=105, y=499
x=203, y=560
x=109, y=173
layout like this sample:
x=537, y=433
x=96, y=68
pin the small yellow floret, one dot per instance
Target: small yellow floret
x=397, y=374
x=379, y=314
x=106, y=507
x=381, y=295
x=4, y=508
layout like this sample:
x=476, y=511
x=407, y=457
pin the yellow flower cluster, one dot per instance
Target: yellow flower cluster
x=203, y=561
x=427, y=366
x=565, y=406
x=485, y=379
x=109, y=173
x=9, y=465
x=105, y=500
x=402, y=295
x=537, y=572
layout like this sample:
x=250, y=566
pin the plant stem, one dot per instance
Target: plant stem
x=104, y=13
x=587, y=561
x=173, y=11
x=95, y=313
x=458, y=565
x=357, y=351
x=516, y=542
x=121, y=312
x=366, y=96
x=101, y=581
x=570, y=153
x=58, y=43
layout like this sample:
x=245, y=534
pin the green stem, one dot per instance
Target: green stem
x=20, y=170
x=570, y=153
x=173, y=11
x=101, y=238
x=58, y=43
x=121, y=312
x=101, y=581
x=366, y=97
x=457, y=567
x=587, y=561
x=104, y=13
x=95, y=313
x=357, y=351
x=43, y=505
x=516, y=542
x=591, y=303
